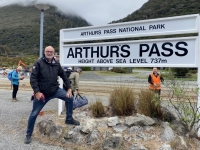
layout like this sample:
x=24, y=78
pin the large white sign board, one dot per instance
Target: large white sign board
x=153, y=27
x=175, y=52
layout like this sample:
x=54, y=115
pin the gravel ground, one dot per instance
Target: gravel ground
x=13, y=121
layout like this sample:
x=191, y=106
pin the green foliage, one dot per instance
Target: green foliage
x=122, y=101
x=180, y=72
x=86, y=68
x=11, y=62
x=149, y=104
x=183, y=100
x=120, y=70
x=20, y=28
x=163, y=8
x=193, y=71
x=4, y=50
x=188, y=75
x=97, y=109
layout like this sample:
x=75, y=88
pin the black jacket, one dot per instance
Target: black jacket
x=44, y=77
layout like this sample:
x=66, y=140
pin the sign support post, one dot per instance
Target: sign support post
x=198, y=78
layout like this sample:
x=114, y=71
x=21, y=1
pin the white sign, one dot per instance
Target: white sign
x=153, y=27
x=174, y=52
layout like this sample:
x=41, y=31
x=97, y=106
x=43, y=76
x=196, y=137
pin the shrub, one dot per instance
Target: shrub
x=182, y=98
x=193, y=71
x=122, y=101
x=86, y=68
x=188, y=75
x=180, y=72
x=120, y=70
x=149, y=104
x=97, y=109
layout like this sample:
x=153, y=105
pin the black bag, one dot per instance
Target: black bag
x=79, y=101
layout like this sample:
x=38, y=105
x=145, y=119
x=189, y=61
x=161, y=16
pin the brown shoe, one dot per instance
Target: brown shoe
x=14, y=100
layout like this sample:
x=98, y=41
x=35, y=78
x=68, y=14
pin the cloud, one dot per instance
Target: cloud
x=97, y=12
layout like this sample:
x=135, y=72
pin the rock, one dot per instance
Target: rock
x=143, y=136
x=56, y=132
x=140, y=120
x=92, y=138
x=73, y=136
x=167, y=114
x=147, y=120
x=88, y=126
x=127, y=138
x=137, y=146
x=81, y=116
x=167, y=134
x=180, y=142
x=113, y=121
x=117, y=135
x=165, y=147
x=45, y=126
x=147, y=128
x=107, y=134
x=135, y=129
x=102, y=126
x=119, y=128
x=178, y=127
x=112, y=143
x=130, y=121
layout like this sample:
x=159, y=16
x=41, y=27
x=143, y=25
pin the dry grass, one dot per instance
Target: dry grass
x=97, y=109
x=149, y=104
x=122, y=101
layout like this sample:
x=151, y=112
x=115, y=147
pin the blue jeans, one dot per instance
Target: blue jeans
x=39, y=104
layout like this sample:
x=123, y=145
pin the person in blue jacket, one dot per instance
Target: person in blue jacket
x=15, y=82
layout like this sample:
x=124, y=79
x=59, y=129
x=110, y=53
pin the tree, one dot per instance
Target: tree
x=4, y=50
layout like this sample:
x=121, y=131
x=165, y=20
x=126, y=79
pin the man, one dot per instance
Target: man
x=15, y=82
x=155, y=80
x=46, y=87
x=74, y=80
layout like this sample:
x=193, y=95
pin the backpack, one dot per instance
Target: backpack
x=10, y=75
x=68, y=73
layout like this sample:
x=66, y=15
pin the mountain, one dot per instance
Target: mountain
x=163, y=8
x=20, y=28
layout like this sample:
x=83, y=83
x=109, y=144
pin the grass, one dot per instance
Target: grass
x=110, y=73
x=122, y=101
x=149, y=104
x=136, y=73
x=193, y=78
x=97, y=109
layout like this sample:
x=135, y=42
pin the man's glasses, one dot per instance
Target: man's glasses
x=49, y=52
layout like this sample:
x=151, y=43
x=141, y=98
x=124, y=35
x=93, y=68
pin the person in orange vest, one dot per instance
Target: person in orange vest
x=155, y=80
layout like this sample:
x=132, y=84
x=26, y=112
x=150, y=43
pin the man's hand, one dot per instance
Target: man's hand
x=22, y=77
x=38, y=95
x=69, y=93
x=156, y=85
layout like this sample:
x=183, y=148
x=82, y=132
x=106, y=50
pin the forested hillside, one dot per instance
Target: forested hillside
x=163, y=8
x=20, y=29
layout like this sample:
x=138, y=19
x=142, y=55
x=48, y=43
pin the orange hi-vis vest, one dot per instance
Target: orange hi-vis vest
x=156, y=81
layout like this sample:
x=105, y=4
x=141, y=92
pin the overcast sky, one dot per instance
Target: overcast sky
x=96, y=12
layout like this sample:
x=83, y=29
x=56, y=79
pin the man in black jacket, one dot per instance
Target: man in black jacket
x=46, y=87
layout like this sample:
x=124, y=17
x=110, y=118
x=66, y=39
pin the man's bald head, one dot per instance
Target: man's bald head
x=49, y=52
